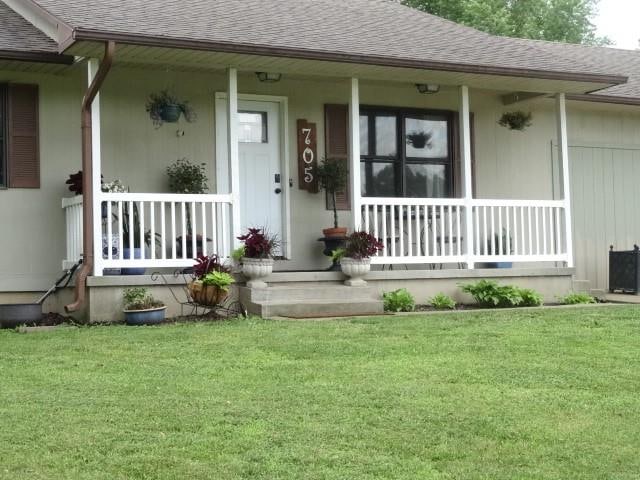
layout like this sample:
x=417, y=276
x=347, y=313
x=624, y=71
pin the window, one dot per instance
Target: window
x=405, y=153
x=253, y=127
x=3, y=136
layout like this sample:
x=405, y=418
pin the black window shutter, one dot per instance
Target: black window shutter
x=23, y=155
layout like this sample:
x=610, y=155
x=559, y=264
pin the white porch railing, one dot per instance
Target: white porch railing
x=149, y=230
x=433, y=231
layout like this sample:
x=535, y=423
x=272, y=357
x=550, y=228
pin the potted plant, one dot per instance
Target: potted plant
x=517, y=120
x=257, y=262
x=419, y=139
x=507, y=249
x=332, y=175
x=140, y=308
x=211, y=281
x=165, y=107
x=355, y=259
x=188, y=178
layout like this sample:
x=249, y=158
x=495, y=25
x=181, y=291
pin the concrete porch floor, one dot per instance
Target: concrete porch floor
x=622, y=298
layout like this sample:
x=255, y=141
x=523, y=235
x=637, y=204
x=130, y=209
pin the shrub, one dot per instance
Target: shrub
x=530, y=298
x=399, y=301
x=185, y=177
x=577, y=299
x=442, y=302
x=237, y=254
x=489, y=294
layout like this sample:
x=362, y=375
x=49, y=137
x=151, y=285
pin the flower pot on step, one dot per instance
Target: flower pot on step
x=356, y=269
x=256, y=270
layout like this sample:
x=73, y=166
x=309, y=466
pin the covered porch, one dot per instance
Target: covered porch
x=459, y=228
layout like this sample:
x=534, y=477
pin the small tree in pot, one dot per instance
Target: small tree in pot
x=259, y=249
x=140, y=308
x=188, y=178
x=332, y=176
x=355, y=259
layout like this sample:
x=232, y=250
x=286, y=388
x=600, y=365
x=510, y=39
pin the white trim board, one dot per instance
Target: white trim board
x=221, y=167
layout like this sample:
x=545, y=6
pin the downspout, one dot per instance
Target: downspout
x=87, y=177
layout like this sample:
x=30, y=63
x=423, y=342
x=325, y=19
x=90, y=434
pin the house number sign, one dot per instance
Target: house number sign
x=307, y=156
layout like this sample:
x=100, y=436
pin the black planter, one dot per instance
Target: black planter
x=624, y=270
x=171, y=113
x=330, y=245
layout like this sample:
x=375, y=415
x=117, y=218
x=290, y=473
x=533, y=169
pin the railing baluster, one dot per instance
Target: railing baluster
x=141, y=228
x=225, y=232
x=501, y=248
x=214, y=231
x=450, y=233
x=401, y=230
x=392, y=209
x=530, y=231
x=409, y=232
x=194, y=230
x=152, y=224
x=524, y=248
x=508, y=237
x=385, y=238
x=183, y=211
x=163, y=230
x=561, y=249
x=203, y=207
x=544, y=231
x=109, y=232
x=493, y=232
x=366, y=218
x=376, y=229
x=131, y=242
x=418, y=231
x=537, y=230
x=458, y=233
x=425, y=226
x=174, y=236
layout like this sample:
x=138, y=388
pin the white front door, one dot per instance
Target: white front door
x=261, y=177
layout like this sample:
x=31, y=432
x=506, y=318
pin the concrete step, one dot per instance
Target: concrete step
x=320, y=309
x=311, y=301
x=281, y=293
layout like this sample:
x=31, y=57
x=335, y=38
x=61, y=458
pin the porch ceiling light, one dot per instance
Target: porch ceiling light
x=428, y=88
x=267, y=77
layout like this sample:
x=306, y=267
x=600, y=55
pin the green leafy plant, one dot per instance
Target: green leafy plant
x=577, y=299
x=338, y=254
x=530, y=298
x=489, y=294
x=399, y=301
x=332, y=175
x=222, y=280
x=238, y=253
x=189, y=178
x=259, y=243
x=139, y=298
x=517, y=120
x=163, y=105
x=442, y=302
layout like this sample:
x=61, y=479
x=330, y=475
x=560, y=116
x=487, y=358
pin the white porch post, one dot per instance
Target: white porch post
x=467, y=181
x=92, y=69
x=354, y=154
x=232, y=145
x=563, y=153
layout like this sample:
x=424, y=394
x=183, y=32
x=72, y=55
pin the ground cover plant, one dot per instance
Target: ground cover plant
x=399, y=300
x=501, y=395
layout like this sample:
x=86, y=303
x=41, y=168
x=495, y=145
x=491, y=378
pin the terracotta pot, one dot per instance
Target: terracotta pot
x=256, y=270
x=356, y=270
x=335, y=232
x=208, y=295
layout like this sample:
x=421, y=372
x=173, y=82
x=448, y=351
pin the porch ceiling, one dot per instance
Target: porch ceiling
x=32, y=67
x=204, y=60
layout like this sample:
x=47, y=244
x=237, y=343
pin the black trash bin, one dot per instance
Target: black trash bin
x=624, y=270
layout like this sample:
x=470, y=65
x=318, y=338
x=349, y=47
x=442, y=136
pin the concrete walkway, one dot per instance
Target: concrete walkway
x=622, y=298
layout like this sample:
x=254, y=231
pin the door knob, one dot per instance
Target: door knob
x=278, y=191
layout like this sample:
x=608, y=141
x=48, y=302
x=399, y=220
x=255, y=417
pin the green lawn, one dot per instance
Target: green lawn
x=551, y=394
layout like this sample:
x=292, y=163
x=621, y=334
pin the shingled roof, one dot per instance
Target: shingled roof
x=374, y=31
x=21, y=40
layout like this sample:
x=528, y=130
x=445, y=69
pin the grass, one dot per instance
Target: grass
x=547, y=394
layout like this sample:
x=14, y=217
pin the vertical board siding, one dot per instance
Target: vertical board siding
x=606, y=202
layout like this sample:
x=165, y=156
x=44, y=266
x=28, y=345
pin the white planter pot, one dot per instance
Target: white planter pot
x=356, y=270
x=256, y=270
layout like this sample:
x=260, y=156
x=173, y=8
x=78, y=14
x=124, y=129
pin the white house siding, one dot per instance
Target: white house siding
x=508, y=164
x=32, y=240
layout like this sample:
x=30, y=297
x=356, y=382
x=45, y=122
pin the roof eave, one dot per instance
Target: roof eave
x=612, y=99
x=80, y=34
x=37, y=57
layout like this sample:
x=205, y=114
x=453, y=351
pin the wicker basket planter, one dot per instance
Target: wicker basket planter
x=207, y=295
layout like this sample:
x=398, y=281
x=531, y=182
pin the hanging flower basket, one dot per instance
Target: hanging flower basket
x=164, y=107
x=518, y=120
